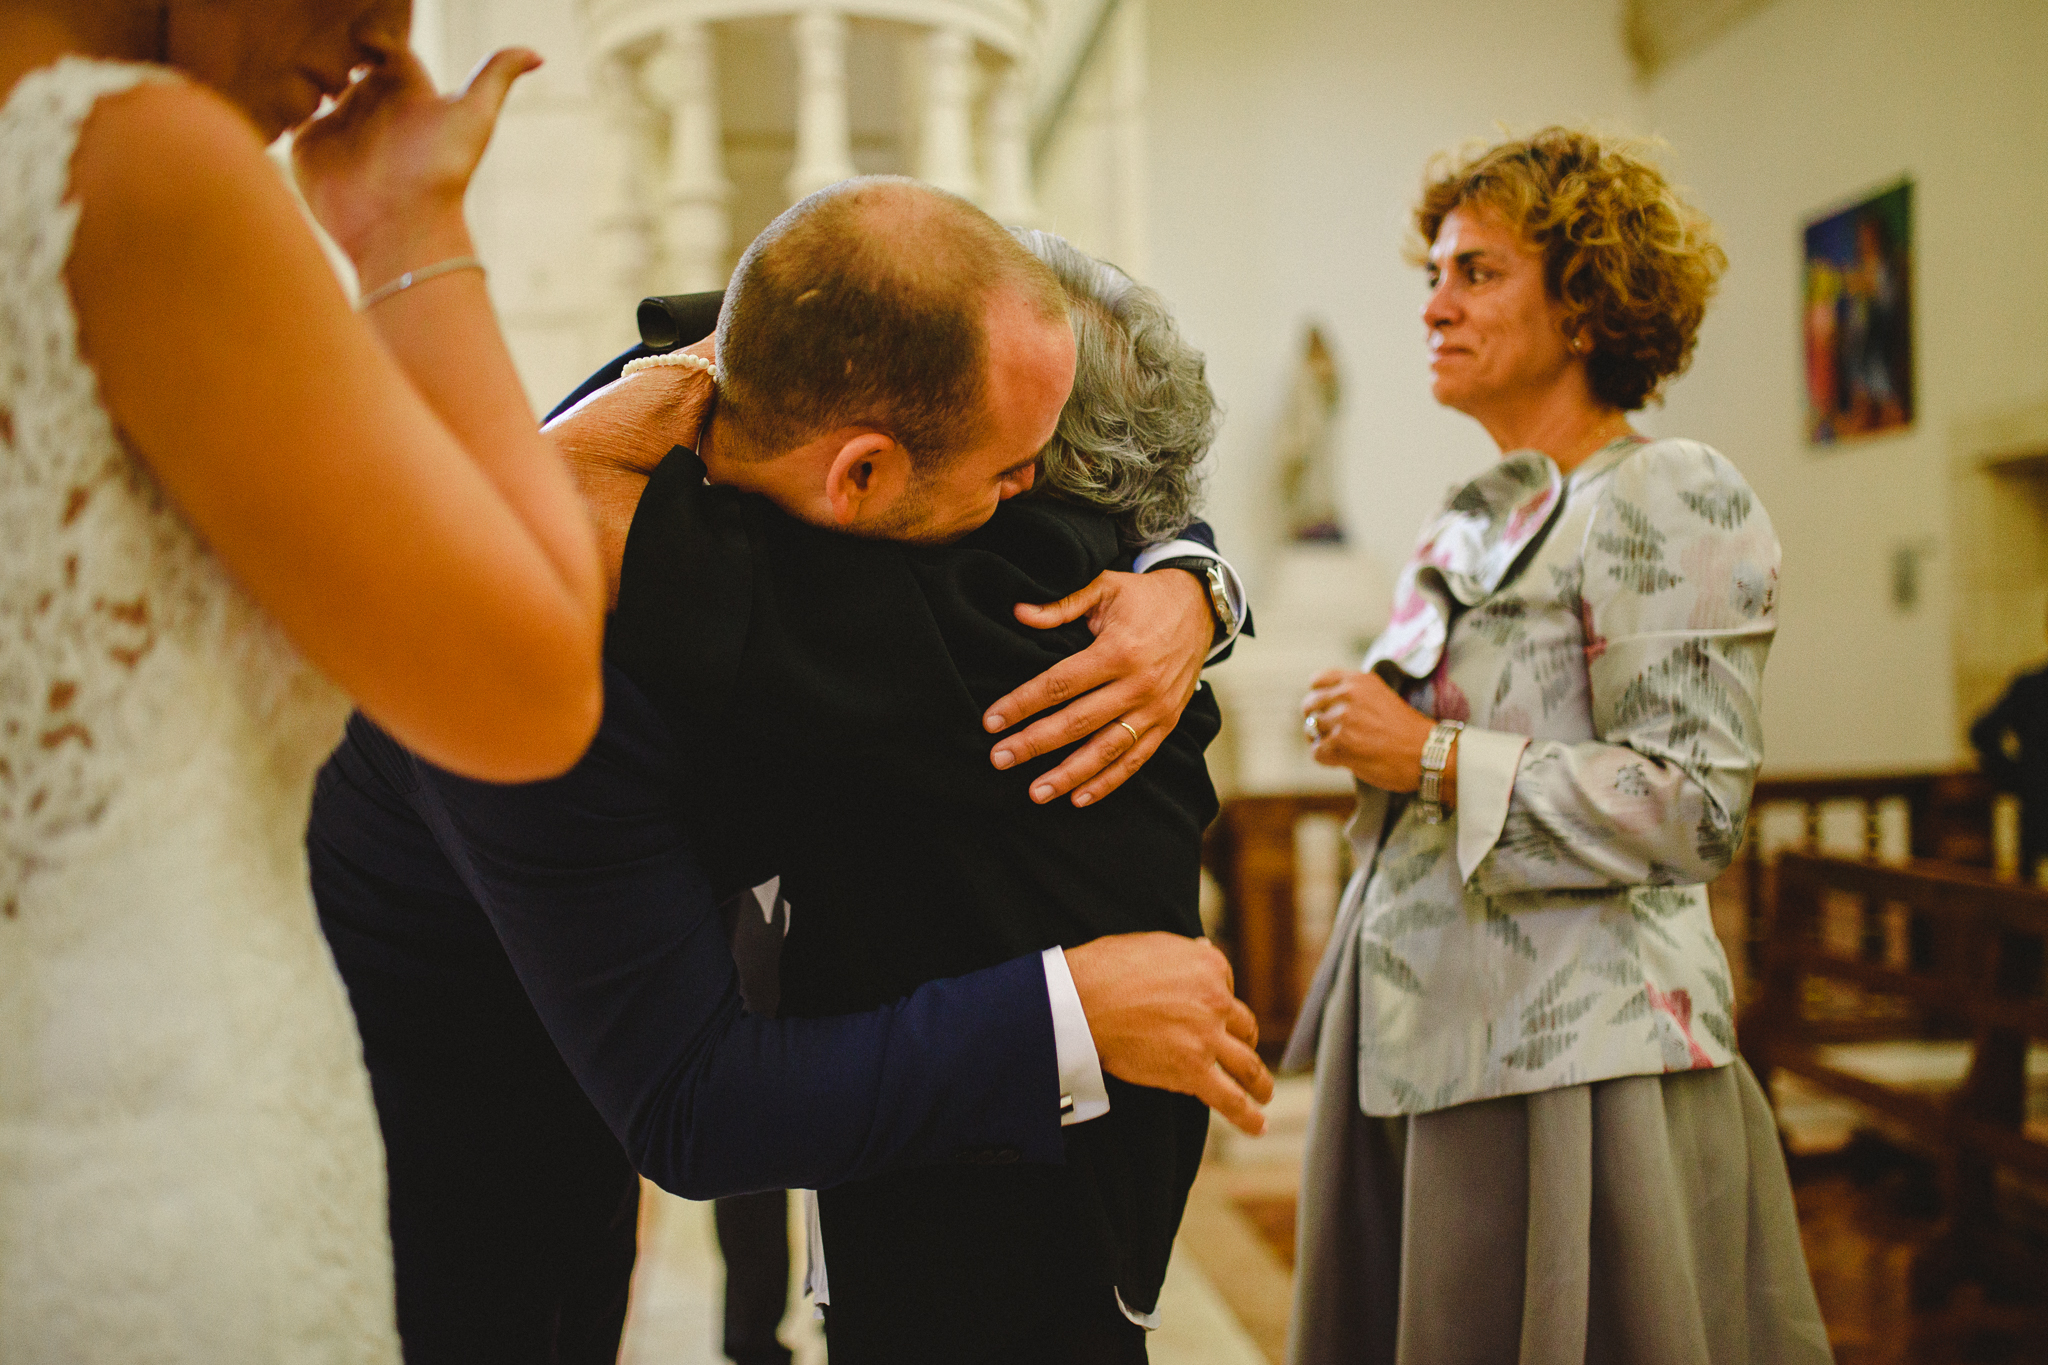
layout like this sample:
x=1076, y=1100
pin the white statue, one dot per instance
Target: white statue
x=1307, y=460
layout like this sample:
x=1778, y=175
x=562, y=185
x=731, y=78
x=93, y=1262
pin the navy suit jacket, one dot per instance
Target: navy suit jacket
x=589, y=887
x=436, y=891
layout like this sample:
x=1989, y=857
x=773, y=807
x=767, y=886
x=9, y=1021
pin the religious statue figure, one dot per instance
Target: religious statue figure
x=1307, y=459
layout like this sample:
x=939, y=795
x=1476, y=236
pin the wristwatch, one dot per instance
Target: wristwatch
x=1436, y=755
x=1210, y=572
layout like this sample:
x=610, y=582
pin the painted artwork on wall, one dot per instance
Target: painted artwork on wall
x=1859, y=318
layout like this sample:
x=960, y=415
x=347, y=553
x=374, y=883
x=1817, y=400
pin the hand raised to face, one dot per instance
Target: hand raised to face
x=385, y=170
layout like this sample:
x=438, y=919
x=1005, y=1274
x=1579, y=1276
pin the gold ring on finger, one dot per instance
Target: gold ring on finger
x=1312, y=727
x=1133, y=733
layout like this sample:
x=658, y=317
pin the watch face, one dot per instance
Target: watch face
x=1219, y=599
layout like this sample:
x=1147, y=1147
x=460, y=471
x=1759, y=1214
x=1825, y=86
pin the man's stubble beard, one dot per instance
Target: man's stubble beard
x=909, y=520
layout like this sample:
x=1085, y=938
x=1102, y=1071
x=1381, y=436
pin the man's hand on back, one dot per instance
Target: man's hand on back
x=1152, y=634
x=1162, y=1014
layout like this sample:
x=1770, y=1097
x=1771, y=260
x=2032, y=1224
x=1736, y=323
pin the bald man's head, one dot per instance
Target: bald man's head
x=866, y=305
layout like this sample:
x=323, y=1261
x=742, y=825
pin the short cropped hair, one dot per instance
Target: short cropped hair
x=1632, y=262
x=864, y=305
x=1138, y=425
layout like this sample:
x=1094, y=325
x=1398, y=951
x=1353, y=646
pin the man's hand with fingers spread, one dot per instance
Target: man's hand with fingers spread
x=1127, y=690
x=1162, y=1014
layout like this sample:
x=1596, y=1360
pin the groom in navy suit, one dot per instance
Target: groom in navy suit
x=547, y=1001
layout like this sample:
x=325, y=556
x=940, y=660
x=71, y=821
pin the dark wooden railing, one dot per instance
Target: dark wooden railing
x=1977, y=973
x=1948, y=818
x=1250, y=851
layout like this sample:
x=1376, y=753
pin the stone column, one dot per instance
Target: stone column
x=624, y=229
x=945, y=147
x=824, y=144
x=1006, y=148
x=695, y=228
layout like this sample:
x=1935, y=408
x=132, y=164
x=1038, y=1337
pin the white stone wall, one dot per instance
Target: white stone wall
x=577, y=219
x=534, y=204
x=1257, y=163
x=1801, y=107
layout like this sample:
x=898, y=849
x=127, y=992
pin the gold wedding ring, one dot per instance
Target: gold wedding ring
x=1134, y=734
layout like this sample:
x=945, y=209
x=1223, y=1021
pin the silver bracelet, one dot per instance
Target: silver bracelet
x=420, y=276
x=1436, y=752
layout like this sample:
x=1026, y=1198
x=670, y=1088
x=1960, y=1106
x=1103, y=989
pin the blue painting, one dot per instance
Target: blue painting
x=1859, y=318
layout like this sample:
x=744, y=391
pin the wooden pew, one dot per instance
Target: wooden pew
x=1948, y=818
x=1982, y=974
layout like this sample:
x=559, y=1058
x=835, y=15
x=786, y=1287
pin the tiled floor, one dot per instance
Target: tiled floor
x=1864, y=1214
x=676, y=1297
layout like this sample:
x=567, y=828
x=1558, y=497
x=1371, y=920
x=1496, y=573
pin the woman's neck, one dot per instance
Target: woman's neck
x=1566, y=423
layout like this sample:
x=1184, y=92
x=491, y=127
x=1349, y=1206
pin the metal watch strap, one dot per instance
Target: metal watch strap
x=1436, y=752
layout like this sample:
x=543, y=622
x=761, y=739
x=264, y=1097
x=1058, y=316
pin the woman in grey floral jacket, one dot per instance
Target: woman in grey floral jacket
x=1533, y=1137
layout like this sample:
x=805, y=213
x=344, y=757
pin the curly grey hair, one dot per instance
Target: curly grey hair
x=1139, y=423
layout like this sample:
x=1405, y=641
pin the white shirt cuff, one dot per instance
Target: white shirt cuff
x=1487, y=763
x=1233, y=586
x=1083, y=1096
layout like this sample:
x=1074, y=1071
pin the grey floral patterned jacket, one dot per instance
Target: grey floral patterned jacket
x=1603, y=635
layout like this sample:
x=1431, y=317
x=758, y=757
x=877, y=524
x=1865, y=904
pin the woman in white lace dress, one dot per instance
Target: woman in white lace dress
x=1533, y=1137
x=229, y=504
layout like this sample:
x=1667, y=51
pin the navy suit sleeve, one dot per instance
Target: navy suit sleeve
x=592, y=888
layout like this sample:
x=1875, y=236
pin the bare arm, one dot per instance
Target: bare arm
x=387, y=498
x=616, y=438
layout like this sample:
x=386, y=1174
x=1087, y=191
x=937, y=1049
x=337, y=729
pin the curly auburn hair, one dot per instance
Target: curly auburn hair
x=1632, y=262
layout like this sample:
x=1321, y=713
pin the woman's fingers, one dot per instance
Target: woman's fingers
x=488, y=89
x=385, y=170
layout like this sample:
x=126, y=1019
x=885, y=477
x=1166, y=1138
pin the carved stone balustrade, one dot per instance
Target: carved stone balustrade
x=668, y=223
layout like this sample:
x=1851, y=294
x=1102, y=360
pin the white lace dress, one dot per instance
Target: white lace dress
x=190, y=1168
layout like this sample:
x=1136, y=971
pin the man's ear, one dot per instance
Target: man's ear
x=869, y=472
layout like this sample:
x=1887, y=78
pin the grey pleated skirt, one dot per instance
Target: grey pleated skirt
x=1646, y=1220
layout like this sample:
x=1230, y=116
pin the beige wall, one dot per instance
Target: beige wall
x=1286, y=140
x=1806, y=104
